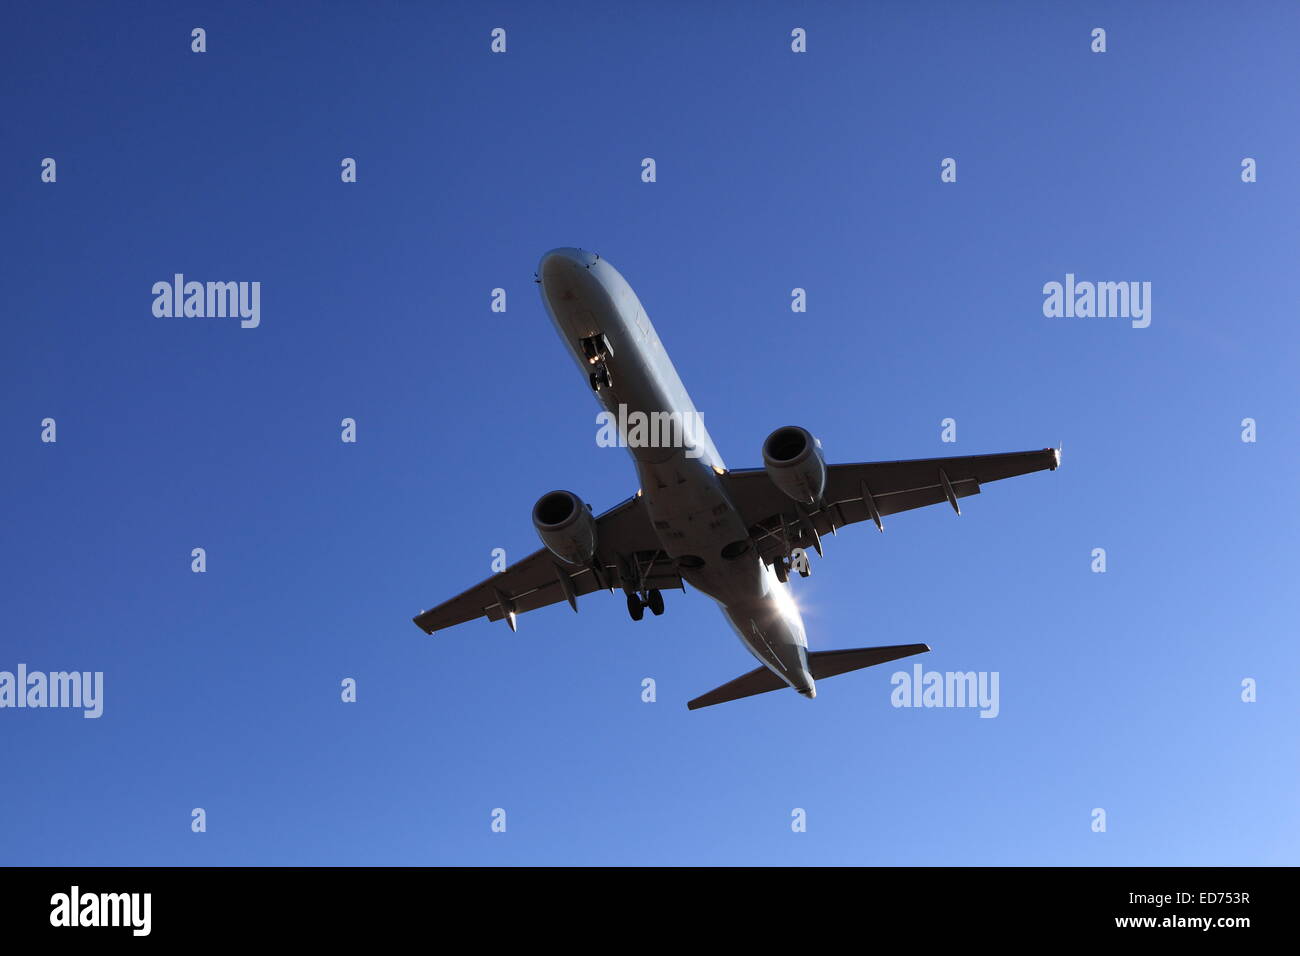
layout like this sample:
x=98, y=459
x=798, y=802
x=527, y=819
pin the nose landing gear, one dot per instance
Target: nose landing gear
x=596, y=350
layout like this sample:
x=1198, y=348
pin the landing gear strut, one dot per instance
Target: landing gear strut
x=595, y=348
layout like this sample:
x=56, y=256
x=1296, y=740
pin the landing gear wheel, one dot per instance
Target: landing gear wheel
x=635, y=607
x=656, y=603
x=600, y=378
x=782, y=572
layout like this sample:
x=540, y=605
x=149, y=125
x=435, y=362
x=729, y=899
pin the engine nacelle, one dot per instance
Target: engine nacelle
x=566, y=526
x=794, y=462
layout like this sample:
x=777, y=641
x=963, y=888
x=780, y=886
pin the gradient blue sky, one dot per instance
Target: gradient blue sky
x=1118, y=690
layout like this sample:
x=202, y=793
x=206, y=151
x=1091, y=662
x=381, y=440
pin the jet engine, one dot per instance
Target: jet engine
x=565, y=525
x=793, y=460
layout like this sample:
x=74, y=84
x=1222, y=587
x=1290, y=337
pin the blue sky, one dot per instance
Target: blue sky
x=775, y=170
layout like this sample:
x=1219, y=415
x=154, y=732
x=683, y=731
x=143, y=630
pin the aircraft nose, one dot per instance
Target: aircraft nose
x=564, y=258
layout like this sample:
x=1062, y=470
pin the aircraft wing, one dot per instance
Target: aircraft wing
x=627, y=548
x=869, y=491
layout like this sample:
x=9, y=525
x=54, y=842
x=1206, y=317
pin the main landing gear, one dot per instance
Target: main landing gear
x=653, y=600
x=797, y=561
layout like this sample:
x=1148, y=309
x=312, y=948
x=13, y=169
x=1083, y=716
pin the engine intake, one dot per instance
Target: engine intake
x=566, y=526
x=793, y=460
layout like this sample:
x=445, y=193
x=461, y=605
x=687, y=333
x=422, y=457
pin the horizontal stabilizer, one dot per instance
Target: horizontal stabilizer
x=758, y=681
x=820, y=664
x=829, y=663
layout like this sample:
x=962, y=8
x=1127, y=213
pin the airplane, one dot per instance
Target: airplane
x=733, y=534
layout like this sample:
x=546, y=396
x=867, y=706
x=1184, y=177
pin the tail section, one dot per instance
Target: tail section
x=820, y=664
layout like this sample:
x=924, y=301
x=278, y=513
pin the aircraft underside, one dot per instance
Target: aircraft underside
x=735, y=535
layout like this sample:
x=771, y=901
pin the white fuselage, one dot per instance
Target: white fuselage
x=696, y=522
